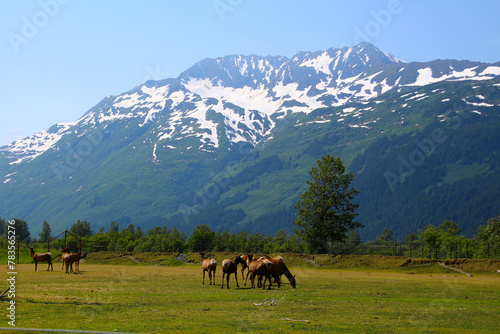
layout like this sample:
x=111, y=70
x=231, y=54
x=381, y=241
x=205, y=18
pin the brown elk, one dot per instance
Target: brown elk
x=244, y=265
x=65, y=255
x=259, y=277
x=231, y=267
x=41, y=257
x=260, y=267
x=209, y=265
x=279, y=269
x=74, y=257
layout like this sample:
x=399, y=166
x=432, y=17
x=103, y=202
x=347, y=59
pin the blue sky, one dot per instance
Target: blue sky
x=59, y=58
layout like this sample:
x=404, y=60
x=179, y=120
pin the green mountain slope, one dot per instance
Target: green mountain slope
x=166, y=154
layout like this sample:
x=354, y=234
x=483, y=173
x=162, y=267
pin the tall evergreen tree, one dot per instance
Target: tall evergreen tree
x=325, y=211
x=46, y=232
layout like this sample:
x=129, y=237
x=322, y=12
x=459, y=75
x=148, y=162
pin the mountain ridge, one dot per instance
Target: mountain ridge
x=235, y=109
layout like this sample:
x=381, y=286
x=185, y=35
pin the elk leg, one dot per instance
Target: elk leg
x=248, y=273
x=269, y=278
x=236, y=278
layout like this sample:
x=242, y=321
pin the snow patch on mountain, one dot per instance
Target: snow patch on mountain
x=426, y=75
x=245, y=95
x=320, y=64
x=29, y=148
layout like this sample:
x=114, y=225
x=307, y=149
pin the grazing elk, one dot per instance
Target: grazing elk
x=244, y=265
x=65, y=256
x=231, y=267
x=209, y=265
x=260, y=267
x=74, y=257
x=279, y=269
x=41, y=257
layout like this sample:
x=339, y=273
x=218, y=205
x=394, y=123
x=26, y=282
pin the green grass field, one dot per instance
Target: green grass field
x=144, y=298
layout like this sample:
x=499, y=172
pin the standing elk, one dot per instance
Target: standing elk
x=74, y=257
x=244, y=265
x=231, y=267
x=209, y=265
x=260, y=267
x=41, y=257
x=65, y=256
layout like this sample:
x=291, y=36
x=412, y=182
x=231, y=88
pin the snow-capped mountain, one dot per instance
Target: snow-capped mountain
x=248, y=94
x=182, y=150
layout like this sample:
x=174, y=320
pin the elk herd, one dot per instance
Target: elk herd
x=263, y=268
x=68, y=259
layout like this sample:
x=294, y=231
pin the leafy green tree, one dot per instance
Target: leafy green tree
x=450, y=228
x=2, y=226
x=130, y=229
x=490, y=231
x=385, y=236
x=489, y=234
x=325, y=211
x=202, y=239
x=410, y=238
x=81, y=229
x=449, y=236
x=353, y=239
x=46, y=232
x=431, y=237
x=114, y=227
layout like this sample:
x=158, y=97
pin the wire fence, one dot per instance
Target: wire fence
x=456, y=249
x=459, y=249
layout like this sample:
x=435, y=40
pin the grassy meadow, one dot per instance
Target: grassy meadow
x=162, y=295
